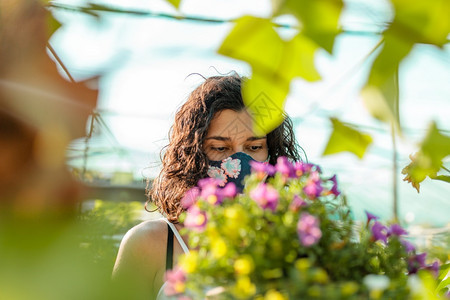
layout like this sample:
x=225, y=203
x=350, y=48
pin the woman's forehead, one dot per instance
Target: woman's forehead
x=231, y=124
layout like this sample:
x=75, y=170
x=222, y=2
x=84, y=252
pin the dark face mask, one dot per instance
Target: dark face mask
x=232, y=169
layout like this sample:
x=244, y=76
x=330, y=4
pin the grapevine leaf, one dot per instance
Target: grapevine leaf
x=345, y=138
x=428, y=160
x=319, y=18
x=273, y=68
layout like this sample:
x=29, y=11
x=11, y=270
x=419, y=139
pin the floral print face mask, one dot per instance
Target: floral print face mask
x=232, y=169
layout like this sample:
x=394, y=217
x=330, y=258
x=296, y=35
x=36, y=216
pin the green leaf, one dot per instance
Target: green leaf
x=255, y=41
x=319, y=18
x=345, y=138
x=52, y=24
x=274, y=63
x=420, y=21
x=428, y=160
x=444, y=178
x=381, y=94
x=175, y=3
x=264, y=98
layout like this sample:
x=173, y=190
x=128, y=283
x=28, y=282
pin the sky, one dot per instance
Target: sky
x=146, y=62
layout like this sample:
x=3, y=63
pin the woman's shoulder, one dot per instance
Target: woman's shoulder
x=148, y=235
x=142, y=247
x=140, y=261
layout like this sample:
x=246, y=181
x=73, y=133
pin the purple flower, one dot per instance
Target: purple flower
x=262, y=168
x=190, y=198
x=285, y=167
x=379, y=232
x=409, y=247
x=416, y=262
x=266, y=196
x=313, y=187
x=434, y=268
x=176, y=282
x=308, y=230
x=334, y=190
x=195, y=219
x=371, y=217
x=297, y=203
x=397, y=230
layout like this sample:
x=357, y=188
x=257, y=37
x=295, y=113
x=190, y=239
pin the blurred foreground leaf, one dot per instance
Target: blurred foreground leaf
x=274, y=63
x=414, y=22
x=345, y=138
x=319, y=19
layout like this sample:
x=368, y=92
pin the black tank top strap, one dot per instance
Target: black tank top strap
x=169, y=251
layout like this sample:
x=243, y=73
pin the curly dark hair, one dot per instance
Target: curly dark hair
x=183, y=160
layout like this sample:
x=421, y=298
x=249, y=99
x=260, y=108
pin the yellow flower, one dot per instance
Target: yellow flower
x=302, y=264
x=218, y=247
x=349, y=288
x=274, y=295
x=179, y=287
x=320, y=276
x=188, y=262
x=212, y=199
x=244, y=287
x=244, y=265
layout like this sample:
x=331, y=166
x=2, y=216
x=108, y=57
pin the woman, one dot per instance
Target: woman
x=211, y=128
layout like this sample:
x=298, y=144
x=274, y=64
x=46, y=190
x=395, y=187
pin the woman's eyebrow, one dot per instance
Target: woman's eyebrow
x=219, y=138
x=255, y=138
x=222, y=138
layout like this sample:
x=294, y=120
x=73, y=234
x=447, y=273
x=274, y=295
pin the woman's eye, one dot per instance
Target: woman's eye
x=255, y=148
x=219, y=149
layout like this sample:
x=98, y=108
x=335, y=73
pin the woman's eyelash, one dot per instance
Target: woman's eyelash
x=219, y=148
x=254, y=148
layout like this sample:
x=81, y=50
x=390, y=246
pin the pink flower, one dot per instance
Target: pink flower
x=308, y=230
x=313, y=187
x=195, y=219
x=266, y=196
x=229, y=191
x=297, y=203
x=285, y=167
x=232, y=167
x=262, y=168
x=176, y=282
x=190, y=198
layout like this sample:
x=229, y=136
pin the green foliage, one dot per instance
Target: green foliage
x=57, y=256
x=273, y=69
x=104, y=227
x=345, y=138
x=274, y=61
x=428, y=161
x=319, y=19
x=175, y=3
